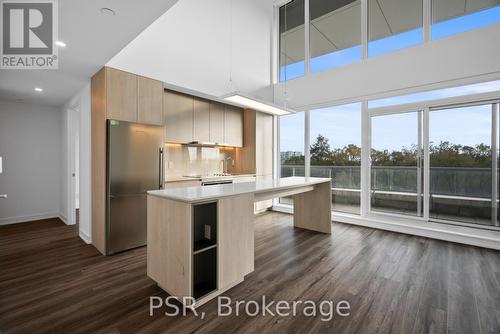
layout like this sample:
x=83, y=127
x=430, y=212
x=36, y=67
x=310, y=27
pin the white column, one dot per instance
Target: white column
x=427, y=163
x=365, y=158
x=307, y=144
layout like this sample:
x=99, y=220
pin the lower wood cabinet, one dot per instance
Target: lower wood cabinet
x=201, y=249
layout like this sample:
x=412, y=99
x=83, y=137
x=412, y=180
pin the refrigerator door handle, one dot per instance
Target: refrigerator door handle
x=161, y=169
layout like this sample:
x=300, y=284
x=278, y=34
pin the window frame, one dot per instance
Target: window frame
x=366, y=213
x=275, y=71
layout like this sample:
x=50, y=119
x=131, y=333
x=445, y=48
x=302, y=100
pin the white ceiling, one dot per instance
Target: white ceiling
x=92, y=39
x=341, y=28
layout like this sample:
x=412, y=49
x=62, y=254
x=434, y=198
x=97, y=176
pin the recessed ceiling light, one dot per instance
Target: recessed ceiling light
x=107, y=11
x=61, y=44
x=38, y=89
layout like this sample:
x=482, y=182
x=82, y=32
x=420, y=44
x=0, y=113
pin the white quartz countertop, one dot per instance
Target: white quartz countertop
x=198, y=194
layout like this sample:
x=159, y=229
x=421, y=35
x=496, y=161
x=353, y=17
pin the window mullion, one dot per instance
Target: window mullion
x=494, y=164
x=364, y=28
x=307, y=144
x=427, y=18
x=307, y=44
x=365, y=159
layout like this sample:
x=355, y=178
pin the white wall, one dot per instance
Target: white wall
x=80, y=103
x=468, y=57
x=30, y=137
x=189, y=46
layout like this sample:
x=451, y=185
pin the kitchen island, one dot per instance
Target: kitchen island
x=201, y=239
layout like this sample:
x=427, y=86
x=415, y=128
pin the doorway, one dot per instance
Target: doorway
x=438, y=164
x=396, y=168
x=73, y=166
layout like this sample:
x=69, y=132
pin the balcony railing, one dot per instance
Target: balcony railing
x=460, y=192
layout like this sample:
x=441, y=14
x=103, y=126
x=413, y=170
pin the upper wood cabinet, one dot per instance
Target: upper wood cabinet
x=178, y=113
x=233, y=126
x=201, y=120
x=149, y=101
x=188, y=118
x=121, y=95
x=132, y=98
x=216, y=122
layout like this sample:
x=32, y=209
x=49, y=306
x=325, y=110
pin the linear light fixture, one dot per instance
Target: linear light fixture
x=257, y=104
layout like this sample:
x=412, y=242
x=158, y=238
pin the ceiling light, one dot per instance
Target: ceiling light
x=38, y=89
x=257, y=104
x=61, y=44
x=107, y=11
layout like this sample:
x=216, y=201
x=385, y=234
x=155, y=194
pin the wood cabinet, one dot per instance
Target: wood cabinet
x=178, y=113
x=256, y=155
x=149, y=101
x=233, y=126
x=132, y=98
x=236, y=241
x=216, y=122
x=263, y=144
x=189, y=118
x=200, y=249
x=121, y=95
x=201, y=120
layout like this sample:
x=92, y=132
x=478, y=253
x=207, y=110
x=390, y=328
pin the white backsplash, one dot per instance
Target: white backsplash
x=181, y=160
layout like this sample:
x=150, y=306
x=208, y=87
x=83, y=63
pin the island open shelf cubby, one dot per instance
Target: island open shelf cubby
x=204, y=249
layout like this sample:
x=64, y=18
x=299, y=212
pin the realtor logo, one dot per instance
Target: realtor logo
x=28, y=32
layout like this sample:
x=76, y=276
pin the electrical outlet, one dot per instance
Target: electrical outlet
x=170, y=164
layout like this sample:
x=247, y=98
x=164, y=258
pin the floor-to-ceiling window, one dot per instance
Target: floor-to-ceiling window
x=461, y=174
x=291, y=144
x=396, y=163
x=430, y=157
x=335, y=152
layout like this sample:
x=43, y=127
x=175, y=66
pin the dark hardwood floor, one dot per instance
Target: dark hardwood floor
x=51, y=281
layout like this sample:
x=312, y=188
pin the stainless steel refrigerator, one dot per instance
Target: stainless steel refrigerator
x=134, y=165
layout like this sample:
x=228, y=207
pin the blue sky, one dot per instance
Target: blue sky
x=342, y=125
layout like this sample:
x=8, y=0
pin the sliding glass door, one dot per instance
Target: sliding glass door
x=396, y=163
x=463, y=144
x=460, y=181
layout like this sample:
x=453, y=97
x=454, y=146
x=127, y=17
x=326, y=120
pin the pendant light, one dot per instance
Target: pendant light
x=246, y=100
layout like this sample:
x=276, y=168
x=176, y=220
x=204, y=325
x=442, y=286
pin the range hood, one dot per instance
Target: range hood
x=201, y=144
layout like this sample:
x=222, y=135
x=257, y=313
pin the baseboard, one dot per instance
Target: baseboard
x=25, y=219
x=63, y=218
x=85, y=237
x=458, y=234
